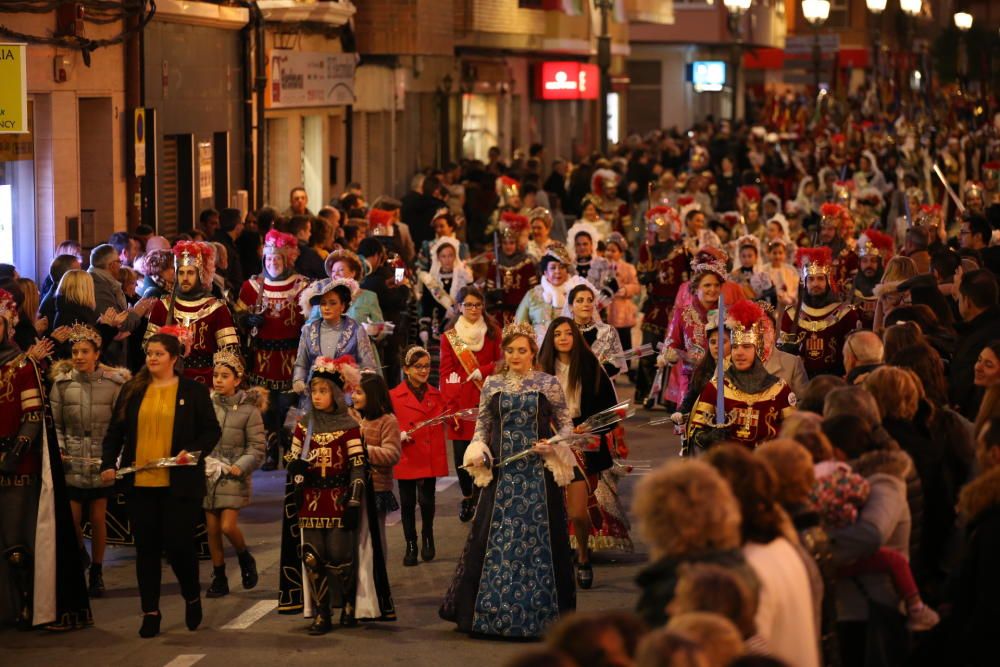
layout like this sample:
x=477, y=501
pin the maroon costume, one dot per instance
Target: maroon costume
x=274, y=344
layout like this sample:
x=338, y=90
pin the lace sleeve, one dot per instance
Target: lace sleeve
x=485, y=420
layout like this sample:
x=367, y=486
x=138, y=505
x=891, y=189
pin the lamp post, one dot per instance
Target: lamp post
x=912, y=9
x=876, y=7
x=816, y=12
x=735, y=9
x=604, y=64
x=963, y=21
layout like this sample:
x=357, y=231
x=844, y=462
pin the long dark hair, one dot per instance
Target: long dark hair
x=583, y=364
x=377, y=401
x=492, y=328
x=138, y=384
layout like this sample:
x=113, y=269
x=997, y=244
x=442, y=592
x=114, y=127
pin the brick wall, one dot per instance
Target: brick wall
x=405, y=27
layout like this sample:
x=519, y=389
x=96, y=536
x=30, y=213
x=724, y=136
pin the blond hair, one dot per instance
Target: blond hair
x=898, y=269
x=896, y=390
x=77, y=286
x=29, y=305
x=793, y=465
x=717, y=635
x=686, y=507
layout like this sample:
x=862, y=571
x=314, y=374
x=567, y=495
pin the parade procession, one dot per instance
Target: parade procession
x=713, y=383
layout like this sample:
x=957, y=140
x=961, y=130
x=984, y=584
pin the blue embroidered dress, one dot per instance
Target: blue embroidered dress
x=515, y=576
x=320, y=339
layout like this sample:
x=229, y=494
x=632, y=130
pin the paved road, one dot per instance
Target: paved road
x=242, y=629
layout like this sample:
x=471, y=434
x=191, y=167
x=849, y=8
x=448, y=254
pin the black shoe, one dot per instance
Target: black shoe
x=192, y=614
x=427, y=551
x=467, y=510
x=410, y=558
x=584, y=575
x=96, y=586
x=321, y=624
x=150, y=625
x=347, y=618
x=219, y=587
x=248, y=569
x=649, y=403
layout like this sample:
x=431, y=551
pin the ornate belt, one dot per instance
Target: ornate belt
x=329, y=482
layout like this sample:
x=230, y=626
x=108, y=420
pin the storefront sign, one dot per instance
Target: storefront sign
x=309, y=79
x=567, y=81
x=205, y=170
x=13, y=88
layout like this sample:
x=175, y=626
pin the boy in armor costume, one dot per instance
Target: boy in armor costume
x=194, y=308
x=514, y=269
x=874, y=250
x=341, y=552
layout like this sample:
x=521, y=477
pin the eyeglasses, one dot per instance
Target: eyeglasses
x=421, y=367
x=472, y=306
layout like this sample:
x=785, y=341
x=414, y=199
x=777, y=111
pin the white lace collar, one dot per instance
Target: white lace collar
x=474, y=335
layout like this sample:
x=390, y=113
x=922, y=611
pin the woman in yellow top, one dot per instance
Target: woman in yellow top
x=161, y=414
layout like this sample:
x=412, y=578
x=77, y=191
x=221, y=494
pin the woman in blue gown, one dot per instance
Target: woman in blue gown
x=515, y=576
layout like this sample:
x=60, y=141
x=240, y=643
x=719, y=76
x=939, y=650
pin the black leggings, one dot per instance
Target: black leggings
x=411, y=492
x=458, y=448
x=161, y=522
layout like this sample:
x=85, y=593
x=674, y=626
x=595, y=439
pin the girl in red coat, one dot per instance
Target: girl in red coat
x=470, y=348
x=424, y=456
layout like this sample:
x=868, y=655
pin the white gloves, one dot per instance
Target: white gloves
x=404, y=436
x=298, y=386
x=476, y=375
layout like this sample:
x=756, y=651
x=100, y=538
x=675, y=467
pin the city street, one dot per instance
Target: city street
x=243, y=628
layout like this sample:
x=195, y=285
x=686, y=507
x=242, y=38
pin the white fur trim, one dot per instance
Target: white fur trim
x=560, y=462
x=581, y=226
x=474, y=453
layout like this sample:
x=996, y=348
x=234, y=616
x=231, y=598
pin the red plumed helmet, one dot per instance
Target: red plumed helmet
x=191, y=253
x=829, y=210
x=750, y=192
x=380, y=218
x=875, y=243
x=815, y=262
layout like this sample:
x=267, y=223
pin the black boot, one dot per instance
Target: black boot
x=220, y=583
x=271, y=452
x=321, y=624
x=467, y=510
x=427, y=551
x=192, y=614
x=248, y=569
x=410, y=558
x=347, y=618
x=150, y=625
x=96, y=580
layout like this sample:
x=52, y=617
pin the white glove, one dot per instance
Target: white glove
x=298, y=386
x=677, y=418
x=475, y=375
x=404, y=436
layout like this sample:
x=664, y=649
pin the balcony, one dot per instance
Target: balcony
x=330, y=12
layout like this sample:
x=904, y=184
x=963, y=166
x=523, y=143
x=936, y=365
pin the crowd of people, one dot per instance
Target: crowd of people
x=814, y=303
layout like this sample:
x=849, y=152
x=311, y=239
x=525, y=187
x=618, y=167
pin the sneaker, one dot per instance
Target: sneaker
x=921, y=618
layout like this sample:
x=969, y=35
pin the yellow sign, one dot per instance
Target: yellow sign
x=13, y=88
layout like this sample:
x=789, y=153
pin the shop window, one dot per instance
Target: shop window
x=17, y=198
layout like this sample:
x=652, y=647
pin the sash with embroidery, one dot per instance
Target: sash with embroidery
x=437, y=290
x=466, y=357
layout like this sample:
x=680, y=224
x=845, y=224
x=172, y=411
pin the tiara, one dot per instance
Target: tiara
x=80, y=332
x=228, y=358
x=519, y=329
x=417, y=351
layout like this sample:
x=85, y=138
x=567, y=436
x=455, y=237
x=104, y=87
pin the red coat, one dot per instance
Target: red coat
x=424, y=455
x=457, y=391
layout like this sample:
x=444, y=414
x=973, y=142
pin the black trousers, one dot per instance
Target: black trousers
x=161, y=522
x=625, y=336
x=647, y=368
x=411, y=493
x=458, y=448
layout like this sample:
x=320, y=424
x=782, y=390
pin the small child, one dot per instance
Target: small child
x=372, y=409
x=839, y=495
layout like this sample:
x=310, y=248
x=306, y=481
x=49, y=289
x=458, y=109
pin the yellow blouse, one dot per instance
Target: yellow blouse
x=155, y=433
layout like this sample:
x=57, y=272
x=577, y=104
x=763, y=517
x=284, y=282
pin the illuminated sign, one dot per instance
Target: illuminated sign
x=708, y=75
x=567, y=81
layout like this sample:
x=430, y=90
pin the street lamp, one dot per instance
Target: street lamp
x=911, y=7
x=816, y=12
x=735, y=9
x=876, y=7
x=604, y=64
x=963, y=21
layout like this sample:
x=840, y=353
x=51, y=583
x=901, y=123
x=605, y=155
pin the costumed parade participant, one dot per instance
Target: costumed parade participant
x=754, y=401
x=836, y=233
x=816, y=328
x=344, y=264
x=581, y=306
x=518, y=540
x=438, y=290
x=228, y=467
x=750, y=274
x=470, y=350
x=161, y=414
x=192, y=307
x=509, y=278
x=39, y=553
x=545, y=302
x=424, y=457
x=268, y=310
x=783, y=275
x=444, y=226
x=622, y=311
x=663, y=267
x=613, y=213
x=581, y=241
x=83, y=396
x=334, y=334
x=588, y=390
x=540, y=220
x=333, y=504
x=874, y=250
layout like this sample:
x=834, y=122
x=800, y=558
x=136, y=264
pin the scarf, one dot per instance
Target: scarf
x=419, y=392
x=474, y=335
x=554, y=295
x=754, y=380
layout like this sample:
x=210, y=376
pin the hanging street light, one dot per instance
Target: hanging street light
x=735, y=9
x=963, y=21
x=911, y=7
x=816, y=12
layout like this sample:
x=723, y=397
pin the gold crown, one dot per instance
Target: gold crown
x=228, y=358
x=519, y=329
x=79, y=332
x=815, y=269
x=741, y=335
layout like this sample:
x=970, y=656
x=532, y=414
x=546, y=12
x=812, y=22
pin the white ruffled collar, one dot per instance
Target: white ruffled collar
x=473, y=334
x=554, y=295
